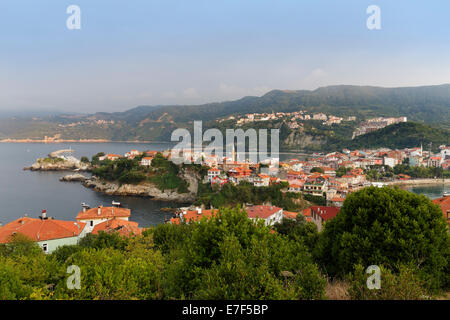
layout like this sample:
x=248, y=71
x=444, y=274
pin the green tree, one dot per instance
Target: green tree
x=387, y=226
x=84, y=159
x=317, y=169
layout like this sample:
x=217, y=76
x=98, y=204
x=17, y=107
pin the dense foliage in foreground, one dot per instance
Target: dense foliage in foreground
x=233, y=257
x=227, y=257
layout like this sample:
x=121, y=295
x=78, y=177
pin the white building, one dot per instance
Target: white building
x=94, y=216
x=269, y=214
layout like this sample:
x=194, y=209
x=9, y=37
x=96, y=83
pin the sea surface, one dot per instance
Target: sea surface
x=433, y=191
x=29, y=192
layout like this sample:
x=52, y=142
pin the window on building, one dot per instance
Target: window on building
x=92, y=223
x=45, y=247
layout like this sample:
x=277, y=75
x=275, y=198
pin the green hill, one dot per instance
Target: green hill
x=426, y=104
x=402, y=135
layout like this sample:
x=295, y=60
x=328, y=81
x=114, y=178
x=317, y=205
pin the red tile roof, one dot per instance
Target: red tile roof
x=194, y=215
x=290, y=215
x=41, y=230
x=444, y=203
x=123, y=227
x=326, y=213
x=261, y=211
x=105, y=213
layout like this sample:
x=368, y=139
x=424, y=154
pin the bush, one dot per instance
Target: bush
x=403, y=285
x=387, y=226
x=131, y=177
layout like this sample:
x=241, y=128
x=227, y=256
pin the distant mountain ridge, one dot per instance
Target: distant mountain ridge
x=424, y=104
x=430, y=104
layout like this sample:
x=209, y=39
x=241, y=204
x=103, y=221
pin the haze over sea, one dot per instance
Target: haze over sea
x=26, y=192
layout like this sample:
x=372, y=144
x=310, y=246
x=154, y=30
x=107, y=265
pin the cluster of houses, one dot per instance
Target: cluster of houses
x=145, y=161
x=314, y=176
x=50, y=233
x=291, y=118
x=375, y=124
x=267, y=213
x=317, y=175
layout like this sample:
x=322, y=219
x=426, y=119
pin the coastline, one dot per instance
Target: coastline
x=77, y=141
x=419, y=182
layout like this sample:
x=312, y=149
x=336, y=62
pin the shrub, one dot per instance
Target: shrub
x=403, y=285
x=387, y=226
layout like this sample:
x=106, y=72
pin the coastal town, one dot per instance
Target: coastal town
x=297, y=119
x=330, y=177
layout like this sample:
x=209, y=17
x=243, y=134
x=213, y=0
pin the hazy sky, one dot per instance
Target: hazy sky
x=150, y=52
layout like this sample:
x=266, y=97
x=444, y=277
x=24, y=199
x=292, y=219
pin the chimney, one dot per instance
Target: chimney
x=44, y=215
x=84, y=209
x=199, y=210
x=99, y=210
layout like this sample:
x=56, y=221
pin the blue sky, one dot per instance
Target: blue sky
x=150, y=52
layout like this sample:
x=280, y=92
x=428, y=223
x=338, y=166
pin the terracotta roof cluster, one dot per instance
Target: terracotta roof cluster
x=103, y=213
x=123, y=227
x=41, y=229
x=261, y=211
x=195, y=215
x=290, y=215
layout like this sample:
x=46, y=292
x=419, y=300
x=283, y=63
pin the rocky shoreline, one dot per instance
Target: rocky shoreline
x=419, y=182
x=51, y=164
x=74, y=178
x=145, y=189
x=140, y=190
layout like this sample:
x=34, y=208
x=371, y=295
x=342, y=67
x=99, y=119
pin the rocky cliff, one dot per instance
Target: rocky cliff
x=147, y=189
x=300, y=140
x=57, y=164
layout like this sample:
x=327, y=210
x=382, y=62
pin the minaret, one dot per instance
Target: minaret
x=233, y=155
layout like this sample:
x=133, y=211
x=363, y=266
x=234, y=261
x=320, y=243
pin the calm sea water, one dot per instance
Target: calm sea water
x=26, y=192
x=29, y=192
x=433, y=192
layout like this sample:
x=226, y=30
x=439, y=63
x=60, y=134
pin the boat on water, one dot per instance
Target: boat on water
x=446, y=194
x=116, y=204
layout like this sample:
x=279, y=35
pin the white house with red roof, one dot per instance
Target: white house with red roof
x=212, y=173
x=132, y=154
x=94, y=216
x=48, y=233
x=263, y=180
x=270, y=214
x=123, y=227
x=320, y=214
x=110, y=156
x=295, y=187
x=146, y=161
